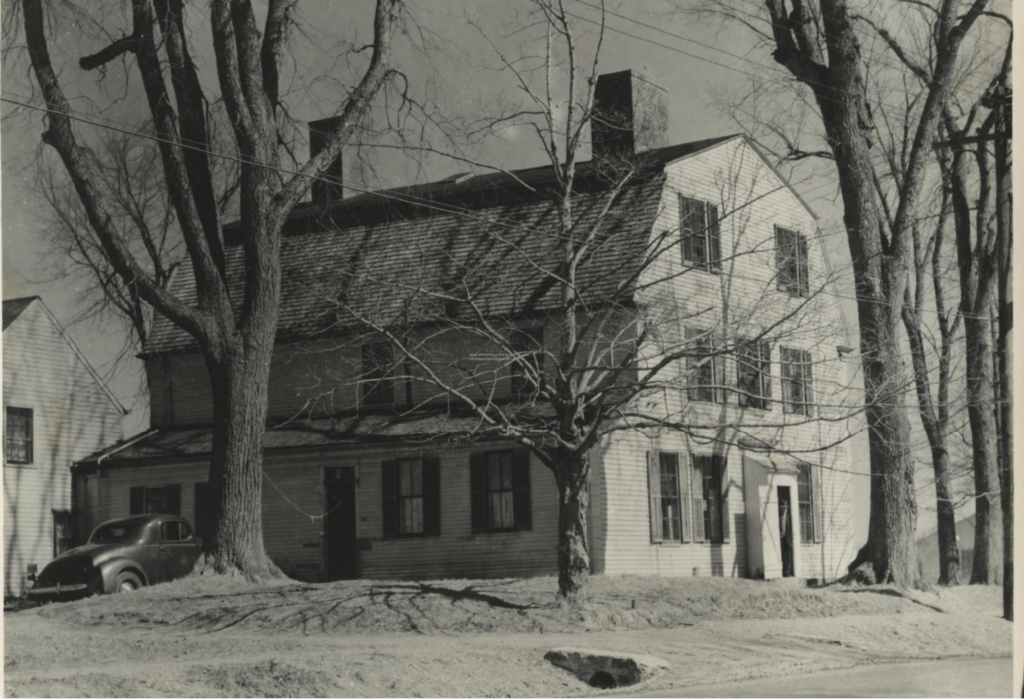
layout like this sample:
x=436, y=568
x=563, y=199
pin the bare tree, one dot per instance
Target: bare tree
x=237, y=349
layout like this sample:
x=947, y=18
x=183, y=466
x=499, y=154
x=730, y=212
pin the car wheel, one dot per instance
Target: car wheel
x=127, y=582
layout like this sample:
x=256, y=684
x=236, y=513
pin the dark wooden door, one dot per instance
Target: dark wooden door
x=340, y=524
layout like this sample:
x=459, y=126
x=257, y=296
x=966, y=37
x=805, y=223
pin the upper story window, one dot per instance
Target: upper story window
x=700, y=234
x=18, y=435
x=791, y=262
x=754, y=374
x=378, y=386
x=797, y=381
x=527, y=344
x=705, y=367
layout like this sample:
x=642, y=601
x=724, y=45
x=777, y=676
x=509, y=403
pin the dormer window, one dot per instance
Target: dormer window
x=527, y=344
x=700, y=234
x=791, y=262
x=378, y=385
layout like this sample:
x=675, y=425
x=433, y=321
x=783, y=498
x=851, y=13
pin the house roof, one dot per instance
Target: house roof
x=497, y=234
x=196, y=442
x=15, y=307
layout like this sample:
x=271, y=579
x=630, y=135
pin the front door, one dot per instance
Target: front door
x=340, y=523
x=785, y=531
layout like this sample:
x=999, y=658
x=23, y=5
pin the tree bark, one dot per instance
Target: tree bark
x=949, y=553
x=572, y=476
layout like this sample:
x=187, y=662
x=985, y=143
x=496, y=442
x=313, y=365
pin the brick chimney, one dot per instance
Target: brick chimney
x=325, y=192
x=630, y=115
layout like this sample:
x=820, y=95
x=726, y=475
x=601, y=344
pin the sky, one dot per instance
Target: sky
x=460, y=69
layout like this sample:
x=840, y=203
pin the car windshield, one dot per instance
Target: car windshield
x=119, y=533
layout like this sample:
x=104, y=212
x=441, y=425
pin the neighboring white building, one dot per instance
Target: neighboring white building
x=56, y=411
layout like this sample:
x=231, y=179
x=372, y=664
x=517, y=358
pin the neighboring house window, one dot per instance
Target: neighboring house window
x=500, y=491
x=705, y=370
x=754, y=374
x=63, y=532
x=791, y=262
x=527, y=344
x=797, y=381
x=710, y=508
x=378, y=386
x=667, y=486
x=412, y=497
x=202, y=503
x=700, y=234
x=805, y=493
x=164, y=500
x=18, y=436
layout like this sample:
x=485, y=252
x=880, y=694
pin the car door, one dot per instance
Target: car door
x=178, y=549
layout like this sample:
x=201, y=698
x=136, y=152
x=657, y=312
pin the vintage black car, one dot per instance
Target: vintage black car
x=122, y=555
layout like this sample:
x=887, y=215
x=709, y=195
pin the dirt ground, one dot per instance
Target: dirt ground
x=201, y=637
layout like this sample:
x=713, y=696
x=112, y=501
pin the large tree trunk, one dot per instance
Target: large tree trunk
x=572, y=476
x=235, y=545
x=949, y=553
x=987, y=568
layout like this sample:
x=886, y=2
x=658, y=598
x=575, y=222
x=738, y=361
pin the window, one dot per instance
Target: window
x=378, y=386
x=164, y=500
x=791, y=261
x=527, y=344
x=705, y=370
x=175, y=531
x=500, y=491
x=202, y=503
x=667, y=499
x=797, y=382
x=411, y=489
x=805, y=494
x=63, y=532
x=754, y=374
x=700, y=234
x=18, y=441
x=709, y=515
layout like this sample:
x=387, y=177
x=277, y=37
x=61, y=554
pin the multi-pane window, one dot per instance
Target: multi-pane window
x=791, y=261
x=63, y=532
x=707, y=485
x=805, y=493
x=500, y=491
x=671, y=505
x=378, y=386
x=164, y=500
x=700, y=234
x=527, y=345
x=705, y=368
x=410, y=496
x=797, y=381
x=754, y=374
x=18, y=435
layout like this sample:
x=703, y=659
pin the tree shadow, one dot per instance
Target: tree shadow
x=890, y=592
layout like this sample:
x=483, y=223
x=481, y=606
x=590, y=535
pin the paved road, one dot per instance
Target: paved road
x=969, y=677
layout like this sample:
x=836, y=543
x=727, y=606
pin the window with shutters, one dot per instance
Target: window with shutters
x=500, y=485
x=671, y=510
x=410, y=496
x=805, y=494
x=791, y=262
x=797, y=381
x=378, y=386
x=18, y=435
x=710, y=511
x=527, y=345
x=705, y=368
x=754, y=374
x=164, y=500
x=700, y=234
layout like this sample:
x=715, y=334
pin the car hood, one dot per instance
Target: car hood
x=76, y=565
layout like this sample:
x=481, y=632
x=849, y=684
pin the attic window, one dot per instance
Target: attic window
x=700, y=234
x=791, y=261
x=378, y=386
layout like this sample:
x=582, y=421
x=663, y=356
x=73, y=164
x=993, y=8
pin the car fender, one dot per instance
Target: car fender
x=111, y=568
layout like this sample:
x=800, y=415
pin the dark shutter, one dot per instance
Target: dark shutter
x=766, y=374
x=137, y=500
x=521, y=500
x=714, y=239
x=723, y=478
x=808, y=381
x=803, y=270
x=697, y=490
x=174, y=499
x=686, y=229
x=389, y=493
x=431, y=496
x=718, y=363
x=201, y=516
x=783, y=263
x=478, y=491
x=654, y=491
x=786, y=372
x=684, y=499
x=818, y=505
